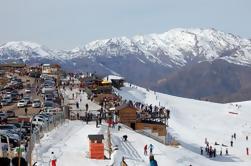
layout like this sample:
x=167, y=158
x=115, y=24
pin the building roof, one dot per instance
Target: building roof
x=109, y=78
x=123, y=106
x=46, y=65
x=96, y=137
x=13, y=65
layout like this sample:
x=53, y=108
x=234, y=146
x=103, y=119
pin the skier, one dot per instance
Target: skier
x=25, y=110
x=231, y=143
x=145, y=150
x=116, y=157
x=226, y=151
x=201, y=150
x=247, y=151
x=214, y=152
x=86, y=107
x=97, y=122
x=221, y=152
x=77, y=105
x=246, y=137
x=151, y=149
x=100, y=120
x=53, y=159
x=216, y=143
x=125, y=138
x=153, y=162
x=235, y=136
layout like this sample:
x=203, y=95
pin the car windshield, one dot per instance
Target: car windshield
x=6, y=127
x=48, y=104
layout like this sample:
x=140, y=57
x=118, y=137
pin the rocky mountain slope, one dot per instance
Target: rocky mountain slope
x=217, y=81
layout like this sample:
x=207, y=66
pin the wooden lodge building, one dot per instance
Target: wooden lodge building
x=128, y=115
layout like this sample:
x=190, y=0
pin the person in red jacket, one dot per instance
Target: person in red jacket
x=145, y=150
x=53, y=159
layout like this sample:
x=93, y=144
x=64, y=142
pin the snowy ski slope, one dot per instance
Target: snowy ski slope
x=191, y=122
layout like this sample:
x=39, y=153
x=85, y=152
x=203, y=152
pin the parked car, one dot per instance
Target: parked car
x=27, y=126
x=3, y=116
x=36, y=103
x=9, y=127
x=11, y=113
x=4, y=102
x=8, y=99
x=11, y=134
x=22, y=103
x=13, y=142
x=27, y=98
x=39, y=121
x=12, y=129
x=14, y=94
x=46, y=119
x=20, y=128
x=47, y=116
x=49, y=104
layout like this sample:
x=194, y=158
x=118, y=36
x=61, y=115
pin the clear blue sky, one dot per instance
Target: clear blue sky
x=70, y=23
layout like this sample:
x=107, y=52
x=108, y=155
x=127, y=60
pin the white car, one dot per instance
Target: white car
x=27, y=91
x=22, y=103
x=36, y=103
x=39, y=121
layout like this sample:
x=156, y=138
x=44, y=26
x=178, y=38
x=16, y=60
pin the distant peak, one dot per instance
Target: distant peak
x=22, y=43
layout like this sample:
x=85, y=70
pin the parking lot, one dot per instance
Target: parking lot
x=30, y=110
x=29, y=107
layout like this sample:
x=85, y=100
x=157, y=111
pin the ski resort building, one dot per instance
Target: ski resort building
x=127, y=114
x=152, y=126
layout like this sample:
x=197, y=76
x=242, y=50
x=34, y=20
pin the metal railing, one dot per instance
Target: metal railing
x=38, y=133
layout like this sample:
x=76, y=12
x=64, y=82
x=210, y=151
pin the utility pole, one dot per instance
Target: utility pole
x=19, y=148
x=109, y=142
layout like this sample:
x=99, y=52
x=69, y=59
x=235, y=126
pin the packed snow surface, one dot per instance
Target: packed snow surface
x=191, y=122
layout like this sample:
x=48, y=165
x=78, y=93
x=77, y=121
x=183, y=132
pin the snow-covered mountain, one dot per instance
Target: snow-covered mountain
x=174, y=48
x=24, y=50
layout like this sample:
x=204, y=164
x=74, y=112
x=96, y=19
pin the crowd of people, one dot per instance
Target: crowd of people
x=211, y=151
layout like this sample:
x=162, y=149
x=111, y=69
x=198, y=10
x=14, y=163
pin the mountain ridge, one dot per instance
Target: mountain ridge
x=174, y=48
